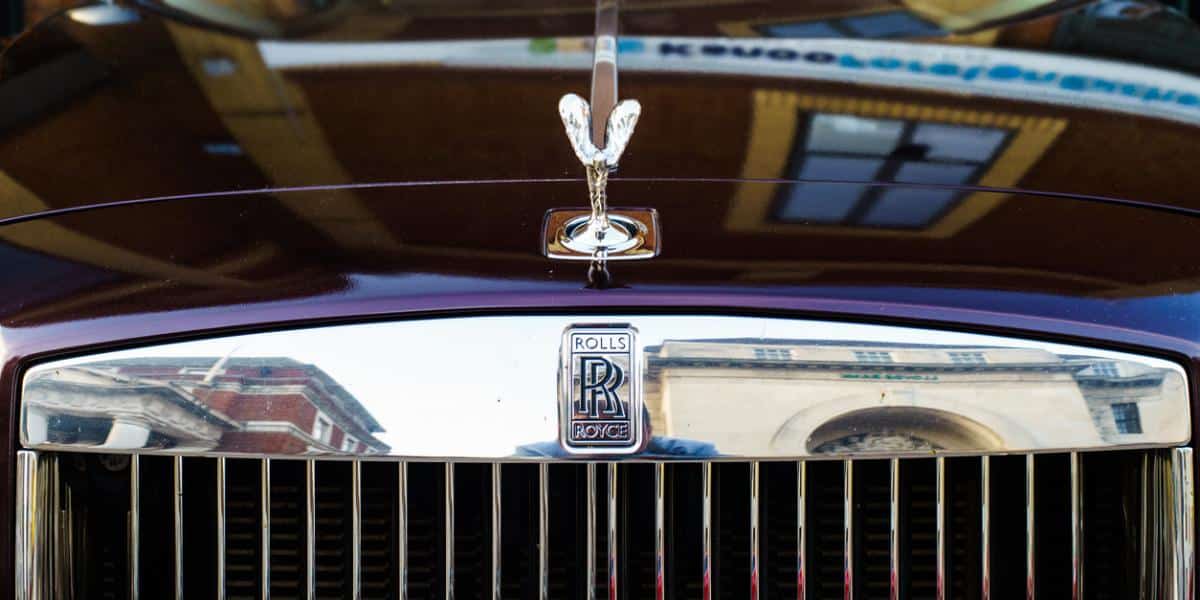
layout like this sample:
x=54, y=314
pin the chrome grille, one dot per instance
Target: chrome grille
x=105, y=526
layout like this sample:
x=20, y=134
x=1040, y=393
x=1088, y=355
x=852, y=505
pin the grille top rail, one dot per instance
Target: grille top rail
x=1010, y=526
x=488, y=388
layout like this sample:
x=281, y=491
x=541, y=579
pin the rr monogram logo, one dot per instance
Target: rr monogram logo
x=600, y=397
x=600, y=380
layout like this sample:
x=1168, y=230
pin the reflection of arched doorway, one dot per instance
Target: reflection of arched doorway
x=899, y=428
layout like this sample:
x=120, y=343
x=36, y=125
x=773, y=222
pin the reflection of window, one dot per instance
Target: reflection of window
x=322, y=429
x=1105, y=369
x=773, y=353
x=967, y=358
x=872, y=356
x=852, y=148
x=349, y=444
x=1126, y=417
x=892, y=24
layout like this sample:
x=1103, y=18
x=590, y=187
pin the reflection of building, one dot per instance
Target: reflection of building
x=829, y=138
x=257, y=404
x=759, y=397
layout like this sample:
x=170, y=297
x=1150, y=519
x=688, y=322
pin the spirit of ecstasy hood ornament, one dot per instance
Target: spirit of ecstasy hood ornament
x=599, y=234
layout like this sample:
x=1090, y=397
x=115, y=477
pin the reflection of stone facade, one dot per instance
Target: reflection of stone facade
x=273, y=405
x=761, y=397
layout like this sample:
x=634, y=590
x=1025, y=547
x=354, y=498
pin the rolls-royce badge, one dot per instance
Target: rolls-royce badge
x=600, y=395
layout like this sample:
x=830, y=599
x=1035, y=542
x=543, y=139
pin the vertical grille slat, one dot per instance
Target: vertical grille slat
x=402, y=531
x=177, y=509
x=356, y=509
x=448, y=539
x=660, y=538
x=310, y=530
x=801, y=531
x=985, y=529
x=590, y=538
x=497, y=518
x=1030, y=527
x=894, y=529
x=135, y=495
x=943, y=535
x=707, y=528
x=848, y=533
x=220, y=526
x=264, y=531
x=956, y=528
x=755, y=515
x=1076, y=527
x=612, y=555
x=543, y=531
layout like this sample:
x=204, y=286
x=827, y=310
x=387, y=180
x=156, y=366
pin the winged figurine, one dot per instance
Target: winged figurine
x=577, y=118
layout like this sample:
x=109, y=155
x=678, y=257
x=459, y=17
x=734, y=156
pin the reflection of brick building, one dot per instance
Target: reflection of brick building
x=242, y=404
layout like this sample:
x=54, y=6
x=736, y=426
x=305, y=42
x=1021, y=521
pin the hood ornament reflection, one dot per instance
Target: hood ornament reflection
x=599, y=234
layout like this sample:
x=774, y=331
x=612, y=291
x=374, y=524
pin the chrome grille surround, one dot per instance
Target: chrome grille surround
x=927, y=402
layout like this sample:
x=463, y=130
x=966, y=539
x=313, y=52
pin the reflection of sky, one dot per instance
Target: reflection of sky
x=491, y=381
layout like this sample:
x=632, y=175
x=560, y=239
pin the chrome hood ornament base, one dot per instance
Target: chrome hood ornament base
x=599, y=235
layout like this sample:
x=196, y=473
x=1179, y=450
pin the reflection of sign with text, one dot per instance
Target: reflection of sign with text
x=600, y=401
x=1016, y=74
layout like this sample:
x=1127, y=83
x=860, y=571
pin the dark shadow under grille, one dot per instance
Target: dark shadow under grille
x=342, y=527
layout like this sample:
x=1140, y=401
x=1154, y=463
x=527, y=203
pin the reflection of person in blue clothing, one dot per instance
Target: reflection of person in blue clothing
x=658, y=447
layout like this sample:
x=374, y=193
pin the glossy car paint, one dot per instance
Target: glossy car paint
x=129, y=216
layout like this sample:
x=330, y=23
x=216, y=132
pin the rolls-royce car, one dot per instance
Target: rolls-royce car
x=577, y=299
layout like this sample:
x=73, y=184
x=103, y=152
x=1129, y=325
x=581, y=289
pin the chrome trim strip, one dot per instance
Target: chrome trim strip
x=612, y=531
x=755, y=473
x=1077, y=549
x=63, y=528
x=894, y=530
x=265, y=520
x=985, y=526
x=220, y=524
x=402, y=529
x=356, y=529
x=801, y=530
x=496, y=522
x=544, y=531
x=1030, y=523
x=1183, y=514
x=943, y=572
x=135, y=517
x=1147, y=501
x=177, y=484
x=30, y=564
x=706, y=478
x=310, y=528
x=660, y=538
x=810, y=364
x=449, y=533
x=590, y=529
x=848, y=530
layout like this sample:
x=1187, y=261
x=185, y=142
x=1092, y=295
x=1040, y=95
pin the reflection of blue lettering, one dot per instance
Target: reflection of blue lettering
x=821, y=58
x=629, y=46
x=782, y=54
x=669, y=49
x=1001, y=73
x=1004, y=72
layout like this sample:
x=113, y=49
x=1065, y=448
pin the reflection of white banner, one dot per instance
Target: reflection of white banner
x=1019, y=75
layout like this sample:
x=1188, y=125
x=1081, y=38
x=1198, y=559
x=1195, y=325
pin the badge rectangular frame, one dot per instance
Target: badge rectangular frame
x=600, y=404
